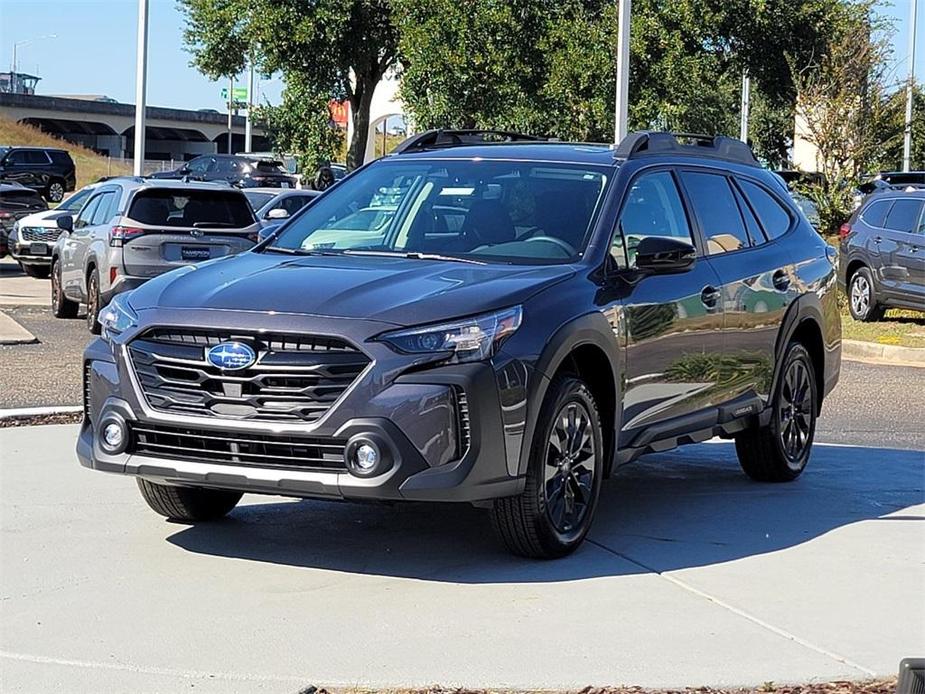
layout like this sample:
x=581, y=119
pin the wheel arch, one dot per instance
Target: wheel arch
x=803, y=323
x=586, y=348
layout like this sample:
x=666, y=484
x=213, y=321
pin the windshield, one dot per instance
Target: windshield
x=76, y=201
x=258, y=200
x=191, y=208
x=491, y=211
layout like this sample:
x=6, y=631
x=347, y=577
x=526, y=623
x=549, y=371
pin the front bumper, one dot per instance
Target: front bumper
x=407, y=414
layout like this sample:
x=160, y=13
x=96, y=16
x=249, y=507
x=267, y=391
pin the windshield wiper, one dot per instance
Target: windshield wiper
x=414, y=255
x=304, y=251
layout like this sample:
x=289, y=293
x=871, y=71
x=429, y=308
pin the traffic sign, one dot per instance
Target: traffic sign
x=240, y=94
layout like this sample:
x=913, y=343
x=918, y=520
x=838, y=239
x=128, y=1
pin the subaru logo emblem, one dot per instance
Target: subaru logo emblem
x=231, y=356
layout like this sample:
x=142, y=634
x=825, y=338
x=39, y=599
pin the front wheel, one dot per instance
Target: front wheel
x=61, y=306
x=779, y=451
x=188, y=504
x=551, y=517
x=93, y=303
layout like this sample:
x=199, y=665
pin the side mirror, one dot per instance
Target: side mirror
x=664, y=254
x=278, y=213
x=66, y=223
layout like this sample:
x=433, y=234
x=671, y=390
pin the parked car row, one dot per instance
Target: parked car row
x=47, y=170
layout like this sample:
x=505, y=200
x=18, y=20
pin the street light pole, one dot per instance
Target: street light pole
x=907, y=134
x=746, y=103
x=16, y=45
x=248, y=123
x=141, y=77
x=623, y=69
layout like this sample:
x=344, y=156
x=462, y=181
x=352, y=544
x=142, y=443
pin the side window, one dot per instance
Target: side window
x=87, y=213
x=38, y=157
x=653, y=208
x=774, y=218
x=875, y=213
x=717, y=211
x=101, y=213
x=904, y=216
x=755, y=235
x=293, y=203
x=18, y=158
x=199, y=165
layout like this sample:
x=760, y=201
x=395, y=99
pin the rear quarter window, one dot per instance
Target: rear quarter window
x=61, y=158
x=875, y=213
x=223, y=209
x=773, y=217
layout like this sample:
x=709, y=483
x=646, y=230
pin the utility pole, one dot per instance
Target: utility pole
x=230, y=109
x=746, y=103
x=248, y=123
x=907, y=134
x=623, y=69
x=141, y=77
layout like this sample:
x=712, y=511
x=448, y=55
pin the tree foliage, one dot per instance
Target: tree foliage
x=323, y=48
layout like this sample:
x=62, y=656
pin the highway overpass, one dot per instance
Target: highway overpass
x=109, y=128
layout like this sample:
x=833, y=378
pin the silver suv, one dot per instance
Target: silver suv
x=133, y=229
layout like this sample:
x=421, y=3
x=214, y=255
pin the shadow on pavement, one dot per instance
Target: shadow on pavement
x=687, y=508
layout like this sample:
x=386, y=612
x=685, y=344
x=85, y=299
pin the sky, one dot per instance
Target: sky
x=94, y=50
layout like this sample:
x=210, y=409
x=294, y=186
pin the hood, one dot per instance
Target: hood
x=45, y=218
x=400, y=291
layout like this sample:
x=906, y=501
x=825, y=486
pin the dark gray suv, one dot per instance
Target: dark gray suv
x=883, y=254
x=502, y=323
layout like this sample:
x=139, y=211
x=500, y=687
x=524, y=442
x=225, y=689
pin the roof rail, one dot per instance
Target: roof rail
x=652, y=142
x=441, y=139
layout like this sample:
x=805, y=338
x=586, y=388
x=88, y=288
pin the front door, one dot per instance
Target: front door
x=672, y=322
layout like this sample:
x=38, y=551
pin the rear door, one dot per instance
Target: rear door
x=164, y=228
x=18, y=168
x=740, y=225
x=903, y=249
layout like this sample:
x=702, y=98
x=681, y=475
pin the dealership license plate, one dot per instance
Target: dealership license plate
x=38, y=249
x=195, y=254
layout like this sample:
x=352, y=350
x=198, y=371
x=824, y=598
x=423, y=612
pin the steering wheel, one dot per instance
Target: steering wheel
x=553, y=240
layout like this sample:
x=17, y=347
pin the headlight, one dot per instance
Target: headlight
x=117, y=317
x=468, y=339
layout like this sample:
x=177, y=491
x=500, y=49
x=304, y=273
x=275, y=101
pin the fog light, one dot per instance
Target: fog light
x=113, y=435
x=366, y=457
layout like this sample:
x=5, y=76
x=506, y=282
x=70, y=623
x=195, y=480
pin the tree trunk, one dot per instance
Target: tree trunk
x=360, y=102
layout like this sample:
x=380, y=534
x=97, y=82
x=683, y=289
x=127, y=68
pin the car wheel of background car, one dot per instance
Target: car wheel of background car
x=779, y=451
x=188, y=503
x=55, y=192
x=93, y=303
x=38, y=271
x=61, y=306
x=553, y=514
x=862, y=301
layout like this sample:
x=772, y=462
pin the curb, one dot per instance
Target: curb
x=26, y=412
x=856, y=350
x=12, y=333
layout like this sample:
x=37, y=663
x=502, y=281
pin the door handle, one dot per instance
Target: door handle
x=781, y=281
x=914, y=249
x=878, y=239
x=710, y=296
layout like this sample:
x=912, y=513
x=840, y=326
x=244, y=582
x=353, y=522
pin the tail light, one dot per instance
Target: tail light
x=844, y=230
x=121, y=235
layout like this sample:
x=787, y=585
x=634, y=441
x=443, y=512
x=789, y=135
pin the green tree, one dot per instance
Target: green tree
x=334, y=48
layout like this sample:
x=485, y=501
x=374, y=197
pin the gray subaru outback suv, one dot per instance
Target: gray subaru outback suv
x=133, y=229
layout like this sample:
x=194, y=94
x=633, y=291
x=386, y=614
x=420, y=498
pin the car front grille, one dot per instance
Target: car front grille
x=238, y=448
x=295, y=377
x=46, y=234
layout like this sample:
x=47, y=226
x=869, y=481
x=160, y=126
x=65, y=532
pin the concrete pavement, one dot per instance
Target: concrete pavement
x=16, y=289
x=693, y=575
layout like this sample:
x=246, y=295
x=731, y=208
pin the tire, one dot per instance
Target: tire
x=779, y=451
x=188, y=504
x=55, y=191
x=61, y=306
x=38, y=271
x=93, y=302
x=862, y=298
x=548, y=519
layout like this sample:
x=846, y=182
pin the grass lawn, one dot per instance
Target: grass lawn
x=899, y=327
x=90, y=165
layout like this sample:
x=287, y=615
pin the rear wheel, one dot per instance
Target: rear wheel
x=862, y=299
x=93, y=302
x=38, y=271
x=779, y=451
x=55, y=192
x=188, y=503
x=61, y=306
x=551, y=517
